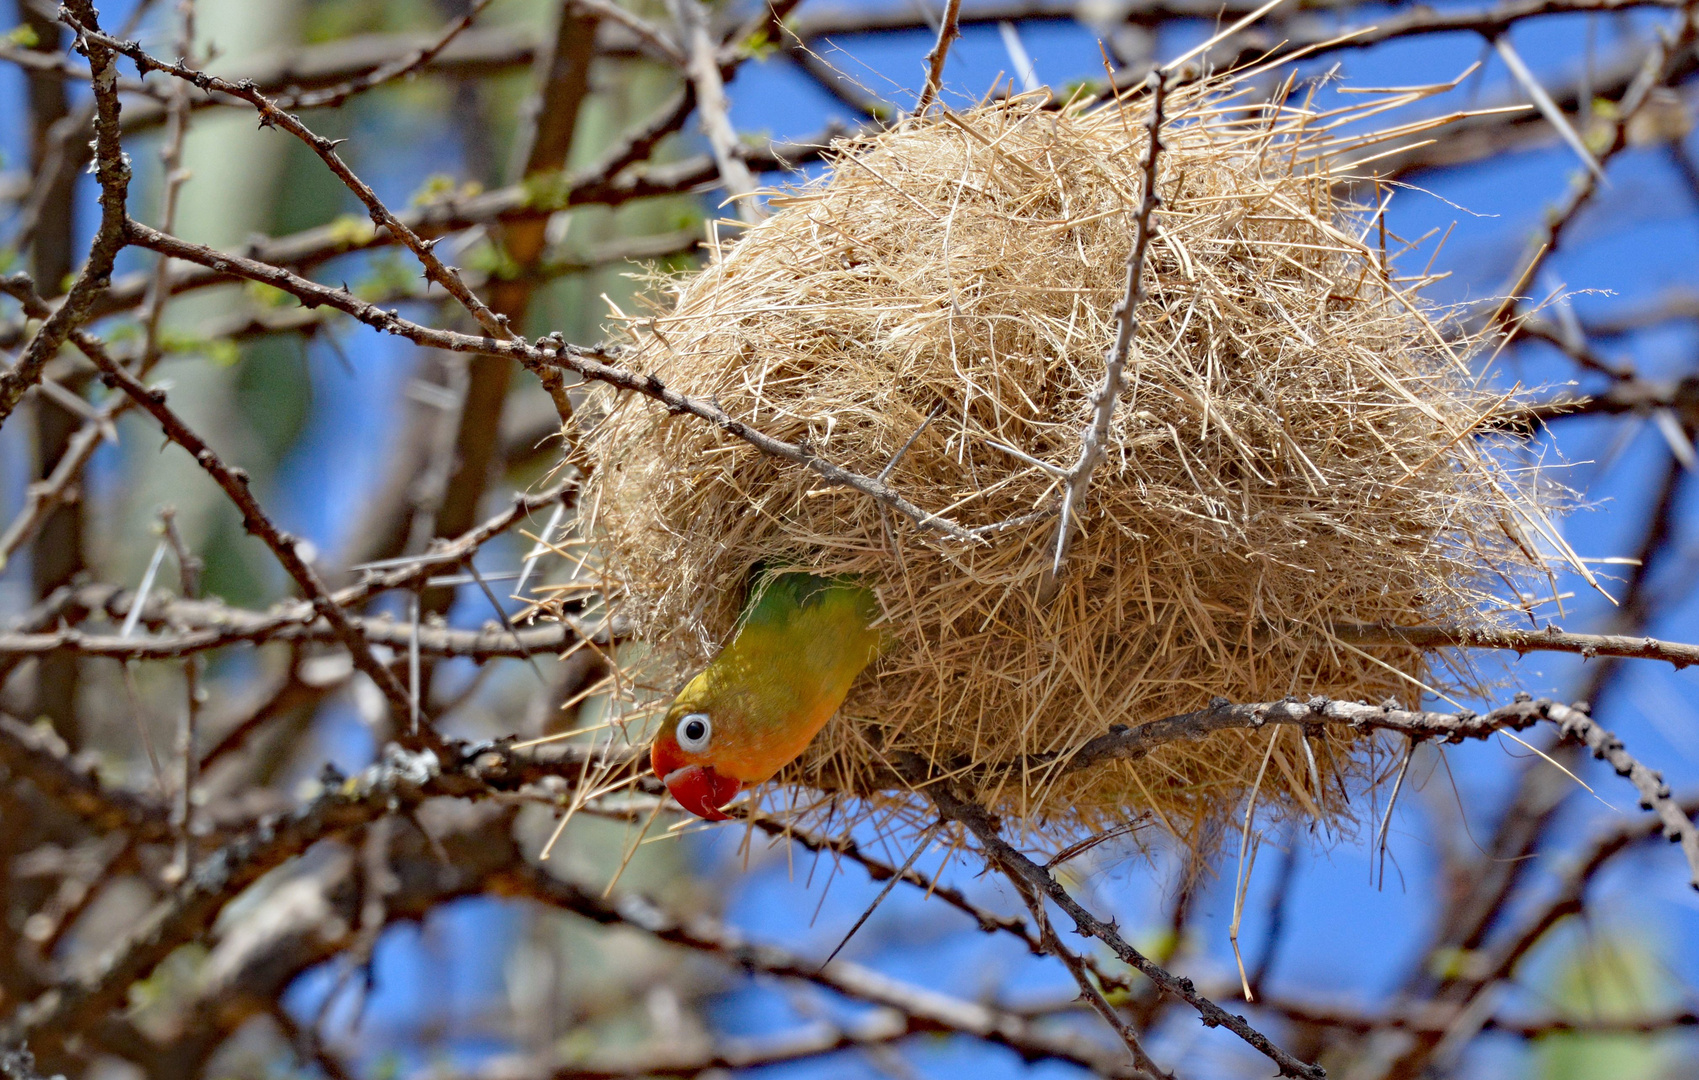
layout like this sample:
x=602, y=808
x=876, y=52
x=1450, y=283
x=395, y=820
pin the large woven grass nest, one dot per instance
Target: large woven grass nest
x=1301, y=441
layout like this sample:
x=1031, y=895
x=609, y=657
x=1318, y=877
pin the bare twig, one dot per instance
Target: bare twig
x=1551, y=639
x=1108, y=395
x=927, y=1009
x=398, y=68
x=273, y=116
x=215, y=626
x=642, y=29
x=171, y=160
x=1654, y=793
x=212, y=624
x=191, y=909
x=46, y=495
x=1130, y=742
x=949, y=29
x=112, y=171
x=234, y=483
x=704, y=70
x=585, y=362
x=188, y=753
x=1089, y=990
x=1656, y=70
x=615, y=180
x=1032, y=876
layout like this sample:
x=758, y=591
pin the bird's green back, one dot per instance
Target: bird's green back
x=817, y=629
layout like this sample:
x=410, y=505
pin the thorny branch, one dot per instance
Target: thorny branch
x=926, y=1008
x=1030, y=875
x=1657, y=70
x=398, y=68
x=1095, y=438
x=1654, y=793
x=112, y=171
x=1551, y=639
x=272, y=116
x=949, y=29
x=286, y=548
x=582, y=361
x=1089, y=990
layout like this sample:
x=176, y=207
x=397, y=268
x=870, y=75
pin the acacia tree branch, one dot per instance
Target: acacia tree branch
x=42, y=758
x=45, y=496
x=989, y=922
x=1551, y=639
x=1678, y=827
x=234, y=483
x=398, y=68
x=587, y=363
x=1095, y=439
x=1089, y=991
x=290, y=621
x=1492, y=965
x=1030, y=875
x=112, y=173
x=879, y=1029
x=272, y=116
x=1129, y=742
x=220, y=627
x=703, y=67
x=949, y=29
x=1659, y=67
x=399, y=781
x=599, y=183
x=927, y=1010
x=190, y=910
x=1515, y=943
x=1626, y=396
x=843, y=20
x=614, y=181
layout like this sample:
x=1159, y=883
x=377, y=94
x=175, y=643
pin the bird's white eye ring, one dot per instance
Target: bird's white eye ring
x=694, y=731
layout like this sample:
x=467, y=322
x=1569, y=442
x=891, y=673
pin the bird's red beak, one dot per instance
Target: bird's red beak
x=702, y=791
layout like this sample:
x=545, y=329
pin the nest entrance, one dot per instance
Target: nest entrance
x=1298, y=443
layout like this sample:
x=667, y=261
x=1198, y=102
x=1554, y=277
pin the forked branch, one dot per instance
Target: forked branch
x=1029, y=875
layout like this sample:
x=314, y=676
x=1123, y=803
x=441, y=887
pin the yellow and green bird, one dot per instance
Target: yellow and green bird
x=800, y=643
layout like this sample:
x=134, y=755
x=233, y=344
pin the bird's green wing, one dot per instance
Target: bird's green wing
x=778, y=601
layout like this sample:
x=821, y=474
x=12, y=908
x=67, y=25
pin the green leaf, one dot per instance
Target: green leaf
x=268, y=296
x=760, y=45
x=1450, y=963
x=351, y=230
x=493, y=259
x=441, y=187
x=390, y=277
x=547, y=190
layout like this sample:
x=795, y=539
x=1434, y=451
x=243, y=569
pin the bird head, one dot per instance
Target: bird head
x=682, y=757
x=756, y=706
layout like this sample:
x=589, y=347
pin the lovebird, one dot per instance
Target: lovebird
x=799, y=644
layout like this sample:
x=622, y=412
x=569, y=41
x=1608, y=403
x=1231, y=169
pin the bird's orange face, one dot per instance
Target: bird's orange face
x=678, y=757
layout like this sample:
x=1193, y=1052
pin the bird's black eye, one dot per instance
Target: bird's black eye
x=694, y=731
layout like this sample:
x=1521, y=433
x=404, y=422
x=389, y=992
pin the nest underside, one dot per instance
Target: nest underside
x=1298, y=443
